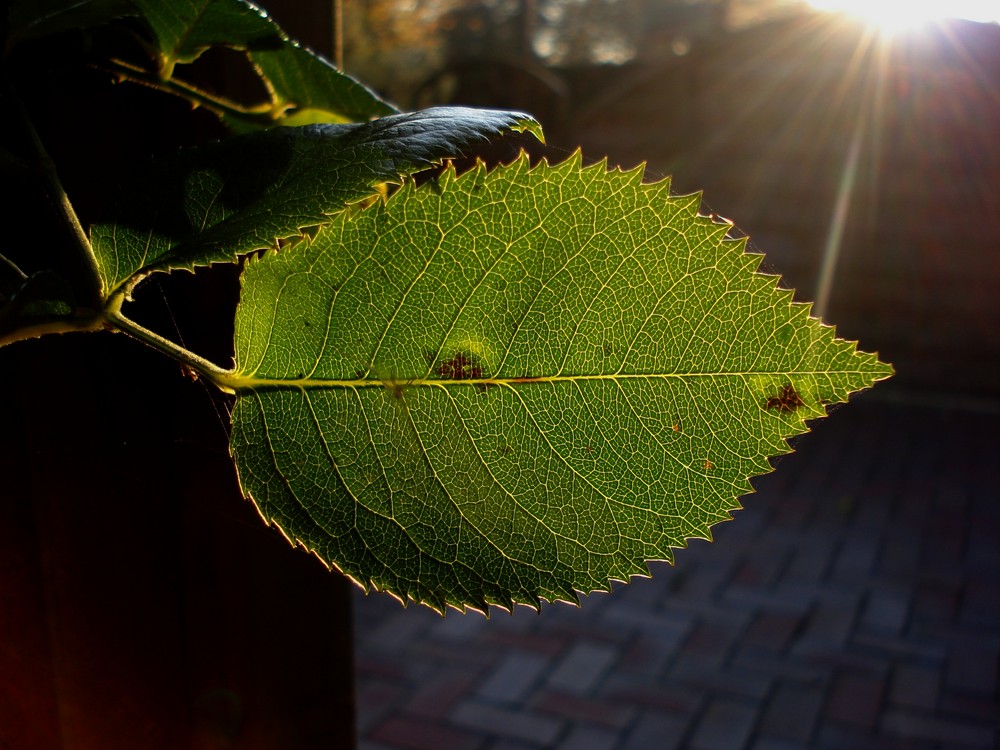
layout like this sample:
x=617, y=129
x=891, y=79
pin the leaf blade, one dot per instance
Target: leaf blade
x=542, y=394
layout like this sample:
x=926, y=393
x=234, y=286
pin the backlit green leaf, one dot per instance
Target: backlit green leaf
x=519, y=385
x=215, y=202
x=305, y=88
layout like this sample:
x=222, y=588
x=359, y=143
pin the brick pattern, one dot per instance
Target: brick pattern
x=814, y=621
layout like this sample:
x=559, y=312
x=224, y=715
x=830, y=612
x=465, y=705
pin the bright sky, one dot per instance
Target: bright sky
x=891, y=16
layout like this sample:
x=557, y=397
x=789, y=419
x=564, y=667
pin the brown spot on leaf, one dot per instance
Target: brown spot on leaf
x=462, y=366
x=787, y=400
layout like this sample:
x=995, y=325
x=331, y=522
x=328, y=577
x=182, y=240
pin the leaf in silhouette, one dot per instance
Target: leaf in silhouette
x=42, y=297
x=215, y=202
x=302, y=87
x=521, y=385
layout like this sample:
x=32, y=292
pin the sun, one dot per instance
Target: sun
x=895, y=18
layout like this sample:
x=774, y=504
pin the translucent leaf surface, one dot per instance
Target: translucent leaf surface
x=305, y=88
x=216, y=202
x=520, y=385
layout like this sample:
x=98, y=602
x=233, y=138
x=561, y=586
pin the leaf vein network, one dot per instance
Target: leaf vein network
x=562, y=459
x=273, y=317
x=461, y=307
x=328, y=323
x=608, y=442
x=513, y=498
x=403, y=299
x=654, y=436
x=392, y=500
x=655, y=309
x=623, y=258
x=457, y=506
x=274, y=460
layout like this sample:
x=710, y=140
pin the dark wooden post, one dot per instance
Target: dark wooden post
x=143, y=603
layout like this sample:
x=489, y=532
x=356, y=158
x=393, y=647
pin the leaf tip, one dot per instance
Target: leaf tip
x=528, y=124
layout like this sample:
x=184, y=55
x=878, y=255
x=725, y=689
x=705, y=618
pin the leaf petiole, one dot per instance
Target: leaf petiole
x=209, y=370
x=13, y=267
x=47, y=170
x=261, y=115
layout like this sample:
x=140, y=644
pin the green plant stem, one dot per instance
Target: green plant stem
x=12, y=266
x=209, y=370
x=59, y=197
x=260, y=114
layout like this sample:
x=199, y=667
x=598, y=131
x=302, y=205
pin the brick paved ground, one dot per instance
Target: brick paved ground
x=855, y=603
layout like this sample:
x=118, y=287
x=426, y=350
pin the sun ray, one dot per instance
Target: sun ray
x=891, y=19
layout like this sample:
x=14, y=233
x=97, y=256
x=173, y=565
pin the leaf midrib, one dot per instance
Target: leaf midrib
x=238, y=382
